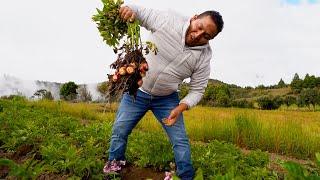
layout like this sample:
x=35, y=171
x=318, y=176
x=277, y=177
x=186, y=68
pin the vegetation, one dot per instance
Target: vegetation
x=57, y=139
x=269, y=102
x=130, y=66
x=50, y=142
x=302, y=93
x=68, y=91
x=296, y=171
x=291, y=133
x=83, y=94
x=43, y=94
x=309, y=97
x=60, y=139
x=109, y=24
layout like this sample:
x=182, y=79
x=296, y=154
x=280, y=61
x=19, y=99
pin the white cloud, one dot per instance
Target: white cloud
x=57, y=41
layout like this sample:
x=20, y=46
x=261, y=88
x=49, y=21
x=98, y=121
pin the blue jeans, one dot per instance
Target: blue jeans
x=129, y=114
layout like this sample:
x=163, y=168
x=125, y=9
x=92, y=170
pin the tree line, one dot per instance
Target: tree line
x=69, y=91
x=301, y=92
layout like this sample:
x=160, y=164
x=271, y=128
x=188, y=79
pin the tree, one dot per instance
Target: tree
x=288, y=100
x=300, y=101
x=261, y=86
x=183, y=90
x=310, y=81
x=102, y=88
x=43, y=94
x=242, y=103
x=222, y=96
x=68, y=91
x=217, y=96
x=306, y=81
x=318, y=82
x=83, y=94
x=318, y=96
x=296, y=84
x=310, y=97
x=281, y=84
x=209, y=95
x=269, y=102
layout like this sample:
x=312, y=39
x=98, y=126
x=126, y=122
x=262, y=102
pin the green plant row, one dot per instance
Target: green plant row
x=43, y=142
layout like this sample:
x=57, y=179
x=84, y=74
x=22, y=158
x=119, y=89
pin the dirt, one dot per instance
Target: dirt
x=84, y=122
x=52, y=176
x=19, y=156
x=137, y=173
x=128, y=173
x=131, y=172
x=21, y=152
x=3, y=170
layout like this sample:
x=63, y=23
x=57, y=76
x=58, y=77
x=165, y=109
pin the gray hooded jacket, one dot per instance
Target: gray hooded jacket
x=175, y=61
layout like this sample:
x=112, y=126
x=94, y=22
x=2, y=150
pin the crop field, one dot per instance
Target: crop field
x=60, y=140
x=290, y=133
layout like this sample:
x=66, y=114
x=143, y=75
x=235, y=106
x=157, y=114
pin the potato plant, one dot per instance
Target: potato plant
x=41, y=139
x=124, y=37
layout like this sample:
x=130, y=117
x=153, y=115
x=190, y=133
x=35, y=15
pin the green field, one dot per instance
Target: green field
x=291, y=133
x=70, y=141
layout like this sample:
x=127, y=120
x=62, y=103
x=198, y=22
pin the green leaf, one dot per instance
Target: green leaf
x=294, y=170
x=175, y=177
x=318, y=159
x=7, y=162
x=99, y=11
x=199, y=174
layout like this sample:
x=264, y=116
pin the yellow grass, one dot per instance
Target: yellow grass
x=286, y=132
x=294, y=133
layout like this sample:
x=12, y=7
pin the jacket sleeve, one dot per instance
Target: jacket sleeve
x=198, y=82
x=150, y=19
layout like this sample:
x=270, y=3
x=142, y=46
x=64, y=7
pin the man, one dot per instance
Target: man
x=184, y=52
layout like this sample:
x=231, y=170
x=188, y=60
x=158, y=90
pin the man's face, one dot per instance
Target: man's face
x=200, y=31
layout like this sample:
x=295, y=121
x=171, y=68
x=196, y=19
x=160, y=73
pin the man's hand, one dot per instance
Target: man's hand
x=174, y=114
x=127, y=14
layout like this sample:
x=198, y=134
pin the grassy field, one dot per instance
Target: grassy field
x=287, y=132
x=45, y=139
x=291, y=133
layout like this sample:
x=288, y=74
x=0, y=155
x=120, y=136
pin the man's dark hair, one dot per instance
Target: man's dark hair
x=216, y=18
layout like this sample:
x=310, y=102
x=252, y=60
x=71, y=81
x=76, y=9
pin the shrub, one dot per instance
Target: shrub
x=269, y=102
x=68, y=91
x=43, y=94
x=242, y=103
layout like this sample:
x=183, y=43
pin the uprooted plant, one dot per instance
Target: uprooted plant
x=130, y=66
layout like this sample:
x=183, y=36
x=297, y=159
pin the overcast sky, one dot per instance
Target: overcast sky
x=263, y=40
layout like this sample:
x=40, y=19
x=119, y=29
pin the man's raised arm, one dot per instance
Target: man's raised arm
x=151, y=19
